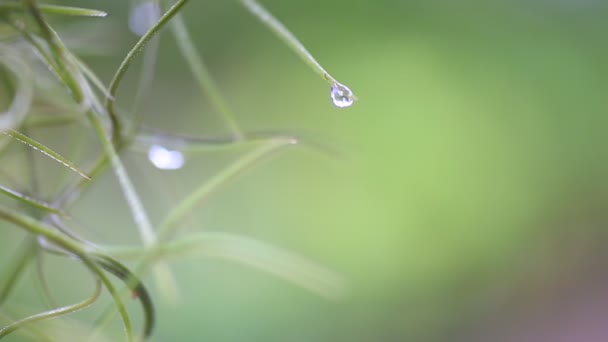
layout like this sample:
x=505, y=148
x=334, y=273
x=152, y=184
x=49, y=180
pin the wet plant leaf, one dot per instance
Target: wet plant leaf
x=31, y=202
x=45, y=150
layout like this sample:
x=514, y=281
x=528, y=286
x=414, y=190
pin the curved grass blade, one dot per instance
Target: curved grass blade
x=169, y=224
x=45, y=150
x=33, y=334
x=138, y=290
x=59, y=10
x=76, y=82
x=147, y=73
x=31, y=202
x=74, y=248
x=53, y=313
x=248, y=251
x=124, y=66
x=189, y=143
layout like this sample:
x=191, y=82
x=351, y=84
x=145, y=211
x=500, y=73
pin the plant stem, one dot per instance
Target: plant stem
x=53, y=313
x=287, y=37
x=38, y=228
x=124, y=66
x=202, y=74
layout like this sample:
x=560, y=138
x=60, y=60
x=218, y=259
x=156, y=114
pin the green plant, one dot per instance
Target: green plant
x=30, y=41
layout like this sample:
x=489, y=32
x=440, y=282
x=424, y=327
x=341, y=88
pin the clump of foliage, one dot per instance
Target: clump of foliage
x=35, y=65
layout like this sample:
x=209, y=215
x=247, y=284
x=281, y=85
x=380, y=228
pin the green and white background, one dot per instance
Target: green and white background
x=464, y=197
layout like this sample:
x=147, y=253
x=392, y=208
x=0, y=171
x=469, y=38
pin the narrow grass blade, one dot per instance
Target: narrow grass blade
x=73, y=11
x=248, y=251
x=71, y=75
x=202, y=75
x=124, y=66
x=290, y=39
x=138, y=290
x=74, y=248
x=31, y=202
x=169, y=224
x=53, y=313
x=58, y=9
x=32, y=333
x=45, y=150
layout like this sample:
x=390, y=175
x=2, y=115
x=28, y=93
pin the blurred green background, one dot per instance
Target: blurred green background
x=466, y=199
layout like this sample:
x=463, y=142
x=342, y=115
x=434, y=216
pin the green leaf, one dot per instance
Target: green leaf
x=45, y=150
x=30, y=201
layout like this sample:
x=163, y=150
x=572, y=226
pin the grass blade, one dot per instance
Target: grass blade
x=73, y=248
x=290, y=39
x=248, y=251
x=31, y=202
x=202, y=74
x=72, y=11
x=138, y=290
x=169, y=224
x=45, y=150
x=53, y=313
x=59, y=10
x=124, y=66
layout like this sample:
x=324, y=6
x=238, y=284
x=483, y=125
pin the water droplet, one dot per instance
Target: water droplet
x=143, y=17
x=165, y=159
x=342, y=96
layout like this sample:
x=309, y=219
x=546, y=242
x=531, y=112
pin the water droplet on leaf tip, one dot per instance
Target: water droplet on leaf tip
x=342, y=96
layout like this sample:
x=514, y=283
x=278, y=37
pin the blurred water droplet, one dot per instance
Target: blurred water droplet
x=165, y=159
x=342, y=96
x=143, y=17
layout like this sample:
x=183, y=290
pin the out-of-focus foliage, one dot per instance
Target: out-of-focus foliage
x=464, y=197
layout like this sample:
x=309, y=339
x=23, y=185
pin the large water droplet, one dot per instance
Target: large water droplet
x=165, y=159
x=342, y=96
x=143, y=17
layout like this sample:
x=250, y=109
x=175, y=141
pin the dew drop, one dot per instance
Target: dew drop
x=342, y=96
x=165, y=159
x=143, y=17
